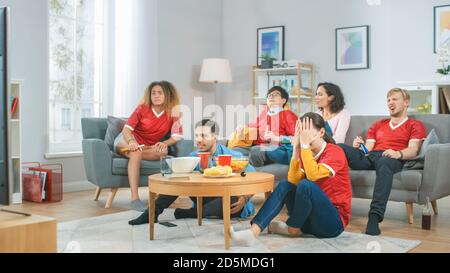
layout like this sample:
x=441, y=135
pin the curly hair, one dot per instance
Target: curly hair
x=171, y=97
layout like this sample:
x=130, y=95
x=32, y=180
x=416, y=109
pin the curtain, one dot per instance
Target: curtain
x=135, y=53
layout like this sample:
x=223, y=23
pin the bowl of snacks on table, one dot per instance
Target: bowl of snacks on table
x=237, y=164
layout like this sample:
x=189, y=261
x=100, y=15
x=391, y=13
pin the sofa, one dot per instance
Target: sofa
x=105, y=169
x=410, y=185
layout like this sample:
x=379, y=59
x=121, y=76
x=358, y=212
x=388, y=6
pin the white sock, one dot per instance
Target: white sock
x=243, y=237
x=279, y=227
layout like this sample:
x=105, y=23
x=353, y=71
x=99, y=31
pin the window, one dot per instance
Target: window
x=76, y=35
x=65, y=118
x=86, y=112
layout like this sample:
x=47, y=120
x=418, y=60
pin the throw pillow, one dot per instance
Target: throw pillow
x=115, y=127
x=418, y=161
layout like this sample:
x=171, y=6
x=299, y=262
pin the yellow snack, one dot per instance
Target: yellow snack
x=218, y=171
x=239, y=166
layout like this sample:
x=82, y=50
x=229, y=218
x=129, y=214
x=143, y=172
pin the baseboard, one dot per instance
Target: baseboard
x=75, y=186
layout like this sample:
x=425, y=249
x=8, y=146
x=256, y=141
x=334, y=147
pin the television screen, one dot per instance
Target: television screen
x=4, y=102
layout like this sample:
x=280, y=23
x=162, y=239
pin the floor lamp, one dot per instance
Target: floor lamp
x=215, y=71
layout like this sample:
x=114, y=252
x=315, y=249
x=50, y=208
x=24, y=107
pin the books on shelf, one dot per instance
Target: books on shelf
x=14, y=102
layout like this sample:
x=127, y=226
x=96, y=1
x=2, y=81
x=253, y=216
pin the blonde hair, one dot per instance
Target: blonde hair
x=405, y=94
x=171, y=97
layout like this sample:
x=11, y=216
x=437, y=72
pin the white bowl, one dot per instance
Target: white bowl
x=183, y=164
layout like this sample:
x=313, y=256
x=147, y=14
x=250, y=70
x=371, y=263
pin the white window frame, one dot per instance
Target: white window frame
x=71, y=149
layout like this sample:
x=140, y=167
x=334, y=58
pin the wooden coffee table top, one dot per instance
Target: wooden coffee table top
x=197, y=179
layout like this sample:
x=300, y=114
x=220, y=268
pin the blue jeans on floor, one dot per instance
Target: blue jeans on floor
x=309, y=209
x=281, y=155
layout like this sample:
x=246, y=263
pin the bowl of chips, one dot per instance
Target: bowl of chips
x=238, y=164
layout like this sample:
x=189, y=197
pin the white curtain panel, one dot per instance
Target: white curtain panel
x=135, y=53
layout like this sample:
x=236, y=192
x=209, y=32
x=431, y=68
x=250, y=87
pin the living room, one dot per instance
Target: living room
x=129, y=44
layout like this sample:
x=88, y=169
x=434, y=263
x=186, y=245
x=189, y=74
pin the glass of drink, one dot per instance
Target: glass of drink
x=224, y=160
x=166, y=165
x=204, y=161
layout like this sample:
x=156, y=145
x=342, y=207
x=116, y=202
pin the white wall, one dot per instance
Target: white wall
x=188, y=32
x=401, y=34
x=29, y=62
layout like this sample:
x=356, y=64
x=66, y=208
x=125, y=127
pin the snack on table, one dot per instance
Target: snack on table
x=218, y=171
x=239, y=165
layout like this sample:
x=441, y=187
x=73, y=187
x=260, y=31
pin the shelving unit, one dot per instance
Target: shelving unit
x=424, y=96
x=298, y=81
x=15, y=152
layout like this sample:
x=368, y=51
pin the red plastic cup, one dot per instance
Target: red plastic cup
x=204, y=160
x=225, y=160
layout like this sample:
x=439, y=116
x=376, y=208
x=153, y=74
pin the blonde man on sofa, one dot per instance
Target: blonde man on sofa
x=388, y=143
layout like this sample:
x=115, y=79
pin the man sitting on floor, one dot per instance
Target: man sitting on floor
x=206, y=140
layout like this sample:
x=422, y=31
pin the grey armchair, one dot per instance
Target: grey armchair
x=106, y=169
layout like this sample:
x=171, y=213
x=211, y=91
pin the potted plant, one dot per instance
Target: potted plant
x=267, y=61
x=443, y=58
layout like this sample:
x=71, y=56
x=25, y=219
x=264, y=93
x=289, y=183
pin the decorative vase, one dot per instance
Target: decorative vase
x=445, y=78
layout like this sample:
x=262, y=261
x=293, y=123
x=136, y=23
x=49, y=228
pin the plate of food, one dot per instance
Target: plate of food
x=218, y=172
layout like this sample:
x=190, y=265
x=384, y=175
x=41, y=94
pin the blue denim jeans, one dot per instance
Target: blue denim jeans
x=309, y=209
x=385, y=169
x=281, y=155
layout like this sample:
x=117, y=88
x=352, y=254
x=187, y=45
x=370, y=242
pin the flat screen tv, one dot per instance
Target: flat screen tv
x=4, y=103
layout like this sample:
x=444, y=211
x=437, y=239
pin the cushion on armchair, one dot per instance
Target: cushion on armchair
x=418, y=161
x=115, y=127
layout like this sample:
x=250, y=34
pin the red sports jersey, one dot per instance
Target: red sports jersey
x=281, y=124
x=149, y=128
x=386, y=135
x=338, y=187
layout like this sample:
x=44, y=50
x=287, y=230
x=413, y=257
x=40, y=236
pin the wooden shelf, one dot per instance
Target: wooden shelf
x=14, y=138
x=282, y=69
x=290, y=78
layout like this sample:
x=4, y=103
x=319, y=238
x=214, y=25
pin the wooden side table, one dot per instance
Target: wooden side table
x=199, y=186
x=27, y=234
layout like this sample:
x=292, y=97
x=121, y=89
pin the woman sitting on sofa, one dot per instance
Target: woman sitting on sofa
x=317, y=193
x=330, y=101
x=142, y=137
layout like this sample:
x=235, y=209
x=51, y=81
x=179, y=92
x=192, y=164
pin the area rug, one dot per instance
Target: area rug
x=111, y=233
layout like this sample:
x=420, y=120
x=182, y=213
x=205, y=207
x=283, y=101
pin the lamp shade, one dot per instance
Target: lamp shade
x=215, y=71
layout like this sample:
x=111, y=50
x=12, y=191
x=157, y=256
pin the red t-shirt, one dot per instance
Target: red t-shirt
x=338, y=187
x=281, y=124
x=149, y=128
x=386, y=135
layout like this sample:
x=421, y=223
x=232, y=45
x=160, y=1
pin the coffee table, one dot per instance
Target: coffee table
x=199, y=186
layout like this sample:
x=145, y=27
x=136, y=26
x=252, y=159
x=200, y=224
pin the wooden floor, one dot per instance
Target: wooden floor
x=81, y=205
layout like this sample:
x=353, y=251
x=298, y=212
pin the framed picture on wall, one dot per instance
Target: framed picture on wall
x=441, y=26
x=352, y=48
x=270, y=43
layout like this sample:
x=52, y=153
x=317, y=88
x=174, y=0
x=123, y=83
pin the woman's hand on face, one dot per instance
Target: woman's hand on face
x=160, y=147
x=308, y=133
